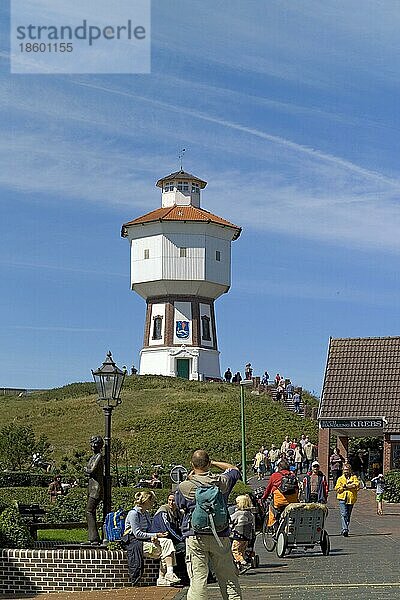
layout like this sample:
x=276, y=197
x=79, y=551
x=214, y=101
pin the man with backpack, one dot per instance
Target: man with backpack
x=205, y=526
x=284, y=489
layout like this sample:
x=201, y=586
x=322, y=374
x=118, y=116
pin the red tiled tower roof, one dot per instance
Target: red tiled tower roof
x=181, y=213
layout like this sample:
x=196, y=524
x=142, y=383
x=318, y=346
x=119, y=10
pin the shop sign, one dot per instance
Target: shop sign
x=351, y=423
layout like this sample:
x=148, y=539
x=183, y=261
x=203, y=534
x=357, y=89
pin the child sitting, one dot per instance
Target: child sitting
x=242, y=531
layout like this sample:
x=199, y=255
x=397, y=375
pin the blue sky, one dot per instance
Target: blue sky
x=288, y=109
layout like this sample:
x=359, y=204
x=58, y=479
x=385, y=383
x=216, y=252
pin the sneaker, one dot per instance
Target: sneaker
x=161, y=582
x=243, y=567
x=345, y=534
x=171, y=578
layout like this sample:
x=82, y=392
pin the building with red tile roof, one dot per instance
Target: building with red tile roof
x=361, y=395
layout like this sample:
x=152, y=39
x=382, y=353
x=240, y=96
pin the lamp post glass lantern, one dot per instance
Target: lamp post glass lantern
x=109, y=380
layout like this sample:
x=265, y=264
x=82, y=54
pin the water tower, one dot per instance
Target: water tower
x=180, y=264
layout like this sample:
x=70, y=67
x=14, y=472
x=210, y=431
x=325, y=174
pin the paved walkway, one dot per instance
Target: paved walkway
x=364, y=565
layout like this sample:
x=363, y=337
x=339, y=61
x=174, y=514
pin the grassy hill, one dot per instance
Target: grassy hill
x=160, y=418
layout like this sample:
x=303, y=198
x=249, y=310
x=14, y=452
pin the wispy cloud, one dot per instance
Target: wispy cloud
x=308, y=43
x=274, y=139
x=357, y=218
x=321, y=195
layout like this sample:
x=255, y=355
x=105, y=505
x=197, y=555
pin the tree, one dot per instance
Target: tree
x=74, y=463
x=17, y=445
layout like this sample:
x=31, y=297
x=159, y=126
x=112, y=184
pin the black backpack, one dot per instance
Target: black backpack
x=289, y=484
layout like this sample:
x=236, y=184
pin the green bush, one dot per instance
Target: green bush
x=68, y=508
x=239, y=489
x=13, y=531
x=25, y=479
x=392, y=486
x=23, y=495
x=72, y=506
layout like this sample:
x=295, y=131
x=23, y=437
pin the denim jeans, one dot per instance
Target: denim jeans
x=345, y=514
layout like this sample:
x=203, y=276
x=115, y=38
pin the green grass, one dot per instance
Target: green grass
x=63, y=535
x=160, y=419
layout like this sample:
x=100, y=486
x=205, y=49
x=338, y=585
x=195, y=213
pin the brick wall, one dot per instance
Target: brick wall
x=62, y=570
x=387, y=453
x=323, y=449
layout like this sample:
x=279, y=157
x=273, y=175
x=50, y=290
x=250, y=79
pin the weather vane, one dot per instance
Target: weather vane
x=181, y=155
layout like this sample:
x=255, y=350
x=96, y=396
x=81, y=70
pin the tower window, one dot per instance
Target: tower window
x=182, y=252
x=195, y=188
x=157, y=328
x=205, y=328
x=169, y=186
x=217, y=255
x=183, y=186
x=146, y=253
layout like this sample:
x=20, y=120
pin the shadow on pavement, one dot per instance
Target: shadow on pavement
x=354, y=535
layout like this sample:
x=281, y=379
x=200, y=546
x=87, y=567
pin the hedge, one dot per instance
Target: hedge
x=13, y=531
x=72, y=506
x=10, y=479
x=25, y=479
x=392, y=486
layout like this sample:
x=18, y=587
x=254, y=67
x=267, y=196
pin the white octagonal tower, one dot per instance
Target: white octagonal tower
x=180, y=263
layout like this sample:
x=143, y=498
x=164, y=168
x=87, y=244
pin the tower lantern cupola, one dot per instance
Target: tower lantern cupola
x=180, y=189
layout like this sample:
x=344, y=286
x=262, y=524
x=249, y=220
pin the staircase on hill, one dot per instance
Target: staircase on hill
x=288, y=402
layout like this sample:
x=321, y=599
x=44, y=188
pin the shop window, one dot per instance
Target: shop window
x=395, y=456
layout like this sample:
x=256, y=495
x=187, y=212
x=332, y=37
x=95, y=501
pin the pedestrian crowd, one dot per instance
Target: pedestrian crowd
x=195, y=544
x=349, y=474
x=299, y=454
x=284, y=387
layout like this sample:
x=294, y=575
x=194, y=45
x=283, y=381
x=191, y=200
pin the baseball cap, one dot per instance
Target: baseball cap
x=315, y=464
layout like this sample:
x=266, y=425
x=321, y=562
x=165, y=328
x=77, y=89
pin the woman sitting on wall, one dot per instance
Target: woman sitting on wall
x=141, y=541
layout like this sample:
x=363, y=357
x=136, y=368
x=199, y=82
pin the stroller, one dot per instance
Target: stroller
x=259, y=517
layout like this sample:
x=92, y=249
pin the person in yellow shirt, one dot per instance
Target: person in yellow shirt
x=346, y=488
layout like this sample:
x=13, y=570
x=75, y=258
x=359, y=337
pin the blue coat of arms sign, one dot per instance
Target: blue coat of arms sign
x=182, y=330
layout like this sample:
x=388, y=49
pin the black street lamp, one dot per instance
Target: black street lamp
x=109, y=380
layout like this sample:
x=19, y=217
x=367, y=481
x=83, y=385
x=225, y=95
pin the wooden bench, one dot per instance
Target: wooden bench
x=32, y=515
